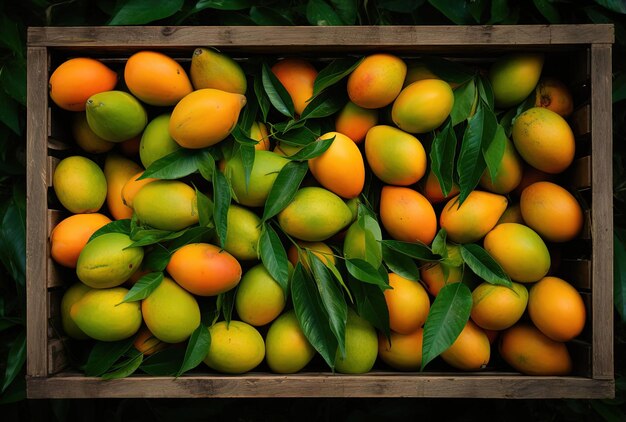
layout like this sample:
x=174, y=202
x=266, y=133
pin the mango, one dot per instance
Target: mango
x=354, y=121
x=362, y=243
x=508, y=174
x=314, y=214
x=170, y=312
x=79, y=184
x=287, y=349
x=115, y=116
x=107, y=261
x=166, y=205
x=70, y=297
x=423, y=106
x=361, y=346
x=101, y=315
x=86, y=139
x=118, y=170
x=212, y=69
x=376, y=81
x=236, y=347
x=243, y=234
x=298, y=77
x=402, y=351
x=258, y=132
x=260, y=299
x=514, y=77
x=470, y=351
x=156, y=141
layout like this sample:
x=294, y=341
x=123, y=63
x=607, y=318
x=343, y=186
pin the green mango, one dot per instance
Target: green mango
x=70, y=297
x=210, y=69
x=166, y=205
x=514, y=77
x=156, y=141
x=115, y=116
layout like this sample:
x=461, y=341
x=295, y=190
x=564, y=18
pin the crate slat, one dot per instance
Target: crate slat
x=57, y=359
x=581, y=121
x=581, y=173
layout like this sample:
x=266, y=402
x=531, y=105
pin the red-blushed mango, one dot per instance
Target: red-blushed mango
x=166, y=205
x=243, y=234
x=314, y=215
x=146, y=343
x=320, y=249
x=236, y=347
x=70, y=297
x=132, y=186
x=405, y=351
x=557, y=309
x=423, y=106
x=354, y=121
x=86, y=139
x=75, y=80
x=156, y=141
x=258, y=132
x=287, y=349
x=118, y=170
x=408, y=304
x=472, y=220
x=544, y=140
x=498, y=307
x=115, y=116
x=205, y=117
x=79, y=184
x=204, y=269
x=156, y=79
x=407, y=215
x=260, y=299
x=340, y=169
x=212, y=69
x=551, y=211
x=69, y=237
x=514, y=77
x=297, y=76
x=471, y=350
x=434, y=277
x=361, y=346
x=508, y=173
x=520, y=251
x=376, y=81
x=395, y=157
x=433, y=192
x=554, y=95
x=512, y=214
x=529, y=351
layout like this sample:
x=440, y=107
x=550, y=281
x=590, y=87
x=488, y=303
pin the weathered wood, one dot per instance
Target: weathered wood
x=57, y=358
x=581, y=120
x=581, y=173
x=585, y=233
x=324, y=385
x=37, y=230
x=51, y=162
x=577, y=272
x=55, y=144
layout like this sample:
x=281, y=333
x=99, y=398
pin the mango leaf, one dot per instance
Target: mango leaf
x=319, y=13
x=10, y=113
x=311, y=315
x=483, y=265
x=448, y=70
x=446, y=319
x=372, y=237
x=477, y=8
x=413, y=250
x=495, y=151
x=223, y=4
x=333, y=73
x=464, y=97
x=13, y=79
x=400, y=264
x=221, y=197
x=126, y=368
x=197, y=349
x=10, y=35
x=274, y=257
x=226, y=303
x=138, y=12
x=248, y=115
x=156, y=259
x=297, y=136
x=276, y=92
x=312, y=150
x=442, y=157
x=261, y=97
x=117, y=226
x=485, y=91
x=335, y=271
x=325, y=104
x=144, y=287
x=346, y=9
x=165, y=363
x=617, y=6
x=205, y=163
x=247, y=153
x=619, y=273
x=191, y=235
x=104, y=355
x=15, y=359
x=284, y=188
x=265, y=16
x=371, y=305
x=548, y=10
x=175, y=165
x=146, y=237
x=205, y=209
x=364, y=271
x=439, y=243
x=332, y=300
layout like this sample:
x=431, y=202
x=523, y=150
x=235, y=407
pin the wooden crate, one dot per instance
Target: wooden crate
x=584, y=54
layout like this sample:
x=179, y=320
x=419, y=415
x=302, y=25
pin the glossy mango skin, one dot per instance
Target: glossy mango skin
x=115, y=116
x=166, y=205
x=423, y=106
x=211, y=69
x=514, y=77
x=376, y=81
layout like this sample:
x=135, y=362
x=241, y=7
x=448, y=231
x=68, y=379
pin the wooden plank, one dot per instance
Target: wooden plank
x=577, y=272
x=336, y=38
x=54, y=218
x=581, y=120
x=52, y=165
x=324, y=385
x=587, y=222
x=602, y=212
x=55, y=275
x=36, y=203
x=57, y=357
x=580, y=173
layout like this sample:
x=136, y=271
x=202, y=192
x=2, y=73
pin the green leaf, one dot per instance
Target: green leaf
x=371, y=305
x=144, y=287
x=191, y=235
x=323, y=105
x=10, y=113
x=117, y=226
x=10, y=35
x=13, y=237
x=221, y=197
x=247, y=153
x=483, y=265
x=13, y=79
x=226, y=303
x=448, y=70
x=261, y=97
x=442, y=157
x=312, y=150
x=127, y=368
x=276, y=92
x=223, y=4
x=499, y=11
x=165, y=363
x=265, y=16
x=197, y=349
x=399, y=6
x=548, y=10
x=457, y=12
x=617, y=6
x=15, y=359
x=372, y=237
x=249, y=114
x=619, y=273
x=495, y=151
x=347, y=10
x=332, y=300
x=364, y=271
x=477, y=8
x=485, y=91
x=156, y=259
x=284, y=188
x=138, y=12
x=333, y=73
x=274, y=257
x=297, y=136
x=447, y=317
x=205, y=163
x=333, y=269
x=175, y=165
x=319, y=13
x=400, y=264
x=104, y=354
x=413, y=250
x=205, y=209
x=464, y=97
x=311, y=315
x=439, y=243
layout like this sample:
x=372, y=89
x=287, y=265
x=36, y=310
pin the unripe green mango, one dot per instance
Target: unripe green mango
x=210, y=69
x=156, y=141
x=514, y=77
x=363, y=243
x=166, y=205
x=115, y=116
x=101, y=315
x=361, y=346
x=171, y=312
x=244, y=233
x=70, y=297
x=107, y=261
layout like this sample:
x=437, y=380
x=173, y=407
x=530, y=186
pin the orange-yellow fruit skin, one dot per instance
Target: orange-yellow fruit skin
x=132, y=186
x=512, y=214
x=557, y=309
x=433, y=192
x=475, y=218
x=544, y=140
x=118, y=170
x=423, y=106
x=405, y=351
x=471, y=350
x=529, y=351
x=204, y=269
x=551, y=211
x=259, y=133
x=554, y=95
x=508, y=174
x=75, y=80
x=498, y=307
x=340, y=169
x=407, y=215
x=354, y=121
x=156, y=79
x=146, y=343
x=531, y=175
x=319, y=249
x=408, y=304
x=434, y=278
x=297, y=76
x=70, y=236
x=520, y=251
x=395, y=157
x=376, y=81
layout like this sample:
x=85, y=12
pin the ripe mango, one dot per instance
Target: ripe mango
x=70, y=297
x=287, y=349
x=260, y=299
x=508, y=174
x=156, y=141
x=166, y=205
x=107, y=261
x=235, y=348
x=115, y=116
x=211, y=69
x=423, y=106
x=118, y=170
x=79, y=184
x=514, y=77
x=376, y=81
x=244, y=232
x=361, y=346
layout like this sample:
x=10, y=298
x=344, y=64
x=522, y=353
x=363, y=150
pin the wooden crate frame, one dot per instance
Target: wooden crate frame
x=594, y=42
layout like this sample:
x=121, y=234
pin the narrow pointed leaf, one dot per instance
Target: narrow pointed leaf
x=104, y=355
x=197, y=349
x=284, y=188
x=144, y=287
x=333, y=73
x=439, y=243
x=442, y=156
x=221, y=197
x=175, y=165
x=276, y=92
x=371, y=305
x=364, y=271
x=274, y=257
x=464, y=97
x=165, y=363
x=205, y=163
x=127, y=368
x=205, y=209
x=324, y=105
x=400, y=264
x=117, y=226
x=261, y=97
x=483, y=265
x=15, y=359
x=448, y=70
x=226, y=304
x=495, y=151
x=312, y=150
x=410, y=249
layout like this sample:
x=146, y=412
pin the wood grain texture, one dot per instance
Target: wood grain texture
x=37, y=228
x=580, y=173
x=52, y=163
x=324, y=385
x=602, y=212
x=57, y=357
